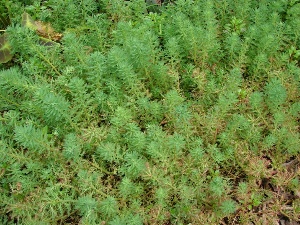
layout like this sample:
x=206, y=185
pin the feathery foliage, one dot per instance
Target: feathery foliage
x=141, y=112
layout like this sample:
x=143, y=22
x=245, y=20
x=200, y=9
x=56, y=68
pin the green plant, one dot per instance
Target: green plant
x=180, y=113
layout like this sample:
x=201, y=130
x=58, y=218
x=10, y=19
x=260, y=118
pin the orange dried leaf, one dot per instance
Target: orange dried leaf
x=43, y=29
x=46, y=30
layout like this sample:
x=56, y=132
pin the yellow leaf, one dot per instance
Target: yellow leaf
x=5, y=52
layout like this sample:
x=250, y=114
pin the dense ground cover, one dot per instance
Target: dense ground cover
x=120, y=112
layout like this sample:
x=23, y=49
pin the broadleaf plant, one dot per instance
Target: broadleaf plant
x=5, y=49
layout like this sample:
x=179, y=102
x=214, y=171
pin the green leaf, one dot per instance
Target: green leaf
x=109, y=206
x=109, y=151
x=134, y=165
x=72, y=148
x=216, y=186
x=5, y=49
x=86, y=204
x=276, y=93
x=256, y=99
x=31, y=137
x=228, y=207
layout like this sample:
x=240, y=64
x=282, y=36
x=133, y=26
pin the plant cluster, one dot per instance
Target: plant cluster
x=186, y=114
